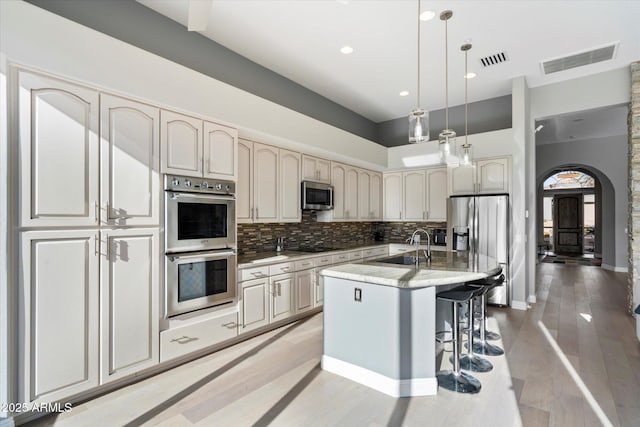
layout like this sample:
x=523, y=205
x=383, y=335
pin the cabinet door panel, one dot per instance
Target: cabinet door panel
x=181, y=138
x=392, y=196
x=324, y=170
x=338, y=180
x=59, y=338
x=265, y=182
x=254, y=305
x=244, y=187
x=364, y=195
x=319, y=291
x=290, y=210
x=351, y=194
x=414, y=196
x=281, y=297
x=59, y=156
x=130, y=306
x=493, y=176
x=220, y=148
x=130, y=163
x=304, y=290
x=375, y=197
x=437, y=194
x=462, y=180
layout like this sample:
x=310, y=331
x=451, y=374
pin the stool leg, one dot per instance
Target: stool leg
x=482, y=346
x=469, y=361
x=488, y=335
x=456, y=380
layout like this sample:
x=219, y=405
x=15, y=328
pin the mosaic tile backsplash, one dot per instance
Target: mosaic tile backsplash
x=254, y=238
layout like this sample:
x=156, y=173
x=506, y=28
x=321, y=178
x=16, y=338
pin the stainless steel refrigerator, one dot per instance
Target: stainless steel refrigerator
x=480, y=225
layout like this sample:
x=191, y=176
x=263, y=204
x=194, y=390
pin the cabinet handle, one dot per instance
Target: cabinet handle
x=230, y=325
x=400, y=215
x=426, y=215
x=251, y=216
x=279, y=289
x=96, y=241
x=256, y=213
x=96, y=211
x=423, y=215
x=183, y=339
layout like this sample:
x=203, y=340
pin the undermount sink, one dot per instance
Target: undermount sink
x=403, y=260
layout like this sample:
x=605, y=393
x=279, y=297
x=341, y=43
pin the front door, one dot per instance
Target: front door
x=567, y=223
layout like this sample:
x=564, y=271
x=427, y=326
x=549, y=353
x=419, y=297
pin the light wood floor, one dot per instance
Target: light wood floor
x=571, y=359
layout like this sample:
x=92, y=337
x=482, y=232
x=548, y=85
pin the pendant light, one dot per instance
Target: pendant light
x=464, y=153
x=447, y=137
x=419, y=118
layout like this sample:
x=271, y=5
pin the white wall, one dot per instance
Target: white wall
x=40, y=39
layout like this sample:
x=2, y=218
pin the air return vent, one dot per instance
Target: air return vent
x=580, y=59
x=495, y=59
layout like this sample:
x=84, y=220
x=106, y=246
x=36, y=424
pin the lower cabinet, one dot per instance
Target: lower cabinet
x=318, y=295
x=88, y=309
x=281, y=289
x=304, y=290
x=181, y=340
x=253, y=301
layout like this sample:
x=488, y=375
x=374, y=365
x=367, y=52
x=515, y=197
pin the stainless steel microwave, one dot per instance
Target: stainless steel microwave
x=316, y=196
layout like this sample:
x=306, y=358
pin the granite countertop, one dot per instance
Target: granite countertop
x=293, y=254
x=446, y=268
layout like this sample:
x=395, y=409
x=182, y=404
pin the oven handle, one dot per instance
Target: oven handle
x=223, y=254
x=174, y=195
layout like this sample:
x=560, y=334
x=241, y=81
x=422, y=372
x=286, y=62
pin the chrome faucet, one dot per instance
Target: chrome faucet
x=415, y=240
x=279, y=244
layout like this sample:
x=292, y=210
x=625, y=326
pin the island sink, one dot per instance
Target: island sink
x=403, y=260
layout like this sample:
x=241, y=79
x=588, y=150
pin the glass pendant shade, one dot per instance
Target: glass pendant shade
x=465, y=155
x=447, y=140
x=418, y=126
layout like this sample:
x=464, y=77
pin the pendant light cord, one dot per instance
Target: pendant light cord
x=446, y=73
x=466, y=81
x=418, y=100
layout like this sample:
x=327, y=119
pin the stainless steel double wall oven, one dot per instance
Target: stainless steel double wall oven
x=200, y=243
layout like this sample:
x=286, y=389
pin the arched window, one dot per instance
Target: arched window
x=568, y=179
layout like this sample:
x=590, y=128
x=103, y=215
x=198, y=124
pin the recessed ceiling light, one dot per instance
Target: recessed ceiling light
x=346, y=50
x=470, y=75
x=427, y=15
x=404, y=93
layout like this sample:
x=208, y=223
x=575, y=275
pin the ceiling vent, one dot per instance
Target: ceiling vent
x=600, y=54
x=495, y=59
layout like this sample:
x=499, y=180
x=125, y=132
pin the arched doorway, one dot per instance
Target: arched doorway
x=571, y=214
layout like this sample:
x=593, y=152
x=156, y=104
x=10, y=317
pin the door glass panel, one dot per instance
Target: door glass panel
x=201, y=221
x=201, y=279
x=318, y=197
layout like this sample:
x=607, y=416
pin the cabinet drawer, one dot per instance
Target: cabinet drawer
x=323, y=260
x=305, y=264
x=196, y=336
x=254, y=273
x=339, y=258
x=285, y=267
x=375, y=252
x=355, y=255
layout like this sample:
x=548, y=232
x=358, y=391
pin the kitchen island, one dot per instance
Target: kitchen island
x=380, y=319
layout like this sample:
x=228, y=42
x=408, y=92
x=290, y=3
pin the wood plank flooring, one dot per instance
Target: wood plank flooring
x=572, y=359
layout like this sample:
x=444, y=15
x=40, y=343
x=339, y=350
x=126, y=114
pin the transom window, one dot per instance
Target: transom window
x=568, y=179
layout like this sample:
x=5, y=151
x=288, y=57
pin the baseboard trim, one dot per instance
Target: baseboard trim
x=531, y=299
x=379, y=382
x=519, y=305
x=614, y=268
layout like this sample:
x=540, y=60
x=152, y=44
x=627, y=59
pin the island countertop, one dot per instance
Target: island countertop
x=445, y=268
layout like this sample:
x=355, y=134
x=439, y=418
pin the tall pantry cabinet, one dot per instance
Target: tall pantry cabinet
x=88, y=191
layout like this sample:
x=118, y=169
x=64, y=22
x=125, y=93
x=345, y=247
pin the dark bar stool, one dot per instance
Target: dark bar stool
x=482, y=346
x=470, y=361
x=456, y=380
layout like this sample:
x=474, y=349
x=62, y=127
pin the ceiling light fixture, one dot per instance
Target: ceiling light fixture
x=419, y=118
x=464, y=153
x=470, y=75
x=427, y=15
x=447, y=137
x=404, y=93
x=346, y=50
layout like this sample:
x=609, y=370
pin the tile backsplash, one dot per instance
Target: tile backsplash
x=254, y=238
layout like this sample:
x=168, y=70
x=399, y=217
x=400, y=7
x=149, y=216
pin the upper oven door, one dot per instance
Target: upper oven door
x=195, y=222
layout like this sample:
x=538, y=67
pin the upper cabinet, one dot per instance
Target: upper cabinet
x=415, y=195
x=129, y=140
x=290, y=207
x=244, y=187
x=265, y=183
x=316, y=169
x=344, y=179
x=487, y=176
x=59, y=153
x=369, y=195
x=193, y=147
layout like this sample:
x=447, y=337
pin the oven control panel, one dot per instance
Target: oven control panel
x=198, y=185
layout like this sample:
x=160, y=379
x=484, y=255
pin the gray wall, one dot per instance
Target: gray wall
x=604, y=158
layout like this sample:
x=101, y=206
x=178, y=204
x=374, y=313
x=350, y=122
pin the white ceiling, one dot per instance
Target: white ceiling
x=301, y=40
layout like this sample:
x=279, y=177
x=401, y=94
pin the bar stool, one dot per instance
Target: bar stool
x=456, y=380
x=470, y=361
x=482, y=346
x=490, y=282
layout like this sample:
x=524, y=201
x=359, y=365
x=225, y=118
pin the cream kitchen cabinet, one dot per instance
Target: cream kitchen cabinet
x=281, y=301
x=59, y=152
x=344, y=180
x=436, y=200
x=488, y=176
x=369, y=195
x=195, y=147
x=130, y=165
x=266, y=192
x=253, y=301
x=392, y=196
x=129, y=301
x=316, y=169
x=289, y=178
x=244, y=187
x=414, y=195
x=304, y=282
x=59, y=314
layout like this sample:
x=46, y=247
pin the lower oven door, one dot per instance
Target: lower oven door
x=199, y=280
